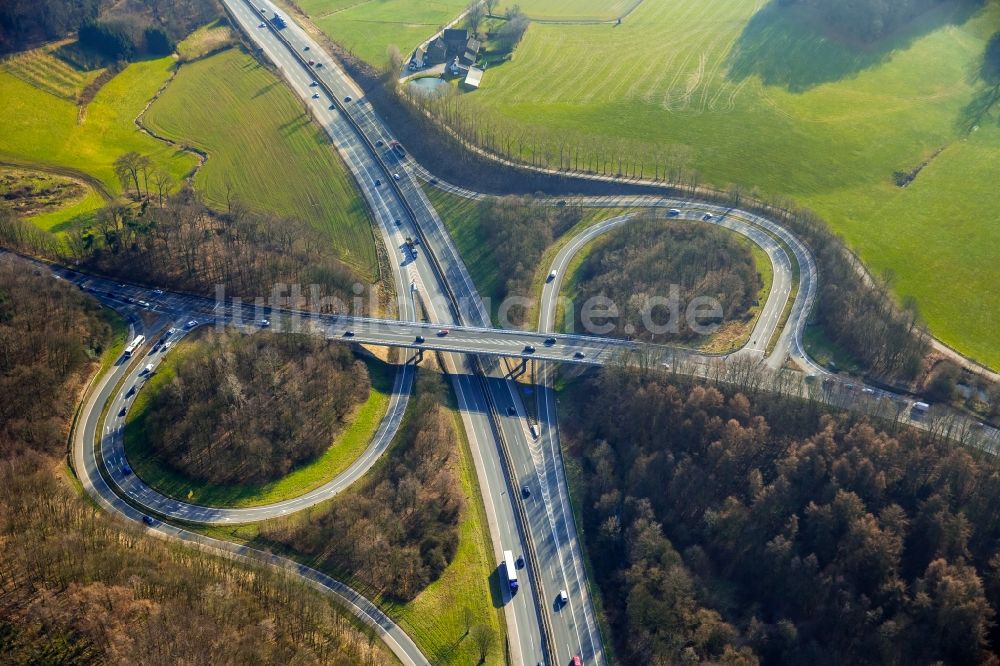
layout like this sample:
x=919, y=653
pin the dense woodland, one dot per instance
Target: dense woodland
x=741, y=529
x=641, y=261
x=117, y=29
x=868, y=20
x=184, y=245
x=79, y=587
x=250, y=408
x=397, y=530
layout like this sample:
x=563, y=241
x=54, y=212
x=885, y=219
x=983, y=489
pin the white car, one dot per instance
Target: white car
x=395, y=176
x=264, y=323
x=191, y=324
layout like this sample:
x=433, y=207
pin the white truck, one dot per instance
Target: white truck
x=508, y=564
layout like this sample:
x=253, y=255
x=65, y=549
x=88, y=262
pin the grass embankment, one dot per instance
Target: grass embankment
x=45, y=129
x=434, y=619
x=205, y=40
x=368, y=28
x=348, y=446
x=686, y=81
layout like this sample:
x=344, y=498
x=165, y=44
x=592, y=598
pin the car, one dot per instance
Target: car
x=810, y=378
x=673, y=212
x=434, y=181
x=419, y=339
x=563, y=598
x=122, y=411
x=549, y=342
x=395, y=176
x=551, y=277
x=347, y=99
x=511, y=410
x=171, y=330
x=577, y=661
x=529, y=349
x=191, y=324
x=144, y=304
x=318, y=65
x=148, y=520
x=157, y=292
x=443, y=332
x=332, y=106
x=707, y=217
x=520, y=562
x=261, y=25
x=315, y=95
x=313, y=84
x=380, y=143
x=130, y=392
x=305, y=48
x=263, y=10
x=126, y=470
x=148, y=370
x=578, y=354
x=312, y=62
x=378, y=183
x=398, y=223
x=525, y=492
x=348, y=333
x=869, y=391
x=264, y=323
x=165, y=347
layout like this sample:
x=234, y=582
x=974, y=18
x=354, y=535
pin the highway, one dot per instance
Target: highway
x=436, y=272
x=507, y=453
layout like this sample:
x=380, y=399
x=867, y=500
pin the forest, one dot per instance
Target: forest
x=869, y=20
x=250, y=408
x=754, y=528
x=117, y=30
x=642, y=260
x=79, y=587
x=397, y=530
x=183, y=245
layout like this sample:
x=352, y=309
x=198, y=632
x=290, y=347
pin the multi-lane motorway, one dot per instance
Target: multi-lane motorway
x=510, y=451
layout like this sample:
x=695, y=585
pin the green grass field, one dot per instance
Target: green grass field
x=758, y=100
x=571, y=10
x=41, y=128
x=43, y=69
x=368, y=27
x=264, y=148
x=348, y=446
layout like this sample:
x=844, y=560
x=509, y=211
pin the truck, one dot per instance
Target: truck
x=920, y=409
x=132, y=346
x=398, y=148
x=508, y=563
x=278, y=21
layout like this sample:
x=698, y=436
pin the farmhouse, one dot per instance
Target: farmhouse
x=471, y=51
x=436, y=53
x=473, y=78
x=419, y=58
x=455, y=40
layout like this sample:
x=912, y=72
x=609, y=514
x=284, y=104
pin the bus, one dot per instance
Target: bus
x=135, y=344
x=508, y=562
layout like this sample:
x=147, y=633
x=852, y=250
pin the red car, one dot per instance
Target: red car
x=443, y=332
x=577, y=661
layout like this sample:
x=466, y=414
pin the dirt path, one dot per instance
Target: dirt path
x=66, y=172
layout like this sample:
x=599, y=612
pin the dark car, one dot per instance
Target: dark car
x=578, y=354
x=378, y=183
x=434, y=181
x=525, y=492
x=148, y=520
x=380, y=143
x=511, y=411
x=348, y=333
x=528, y=349
x=549, y=342
x=420, y=339
x=347, y=99
x=126, y=470
x=443, y=332
x=520, y=562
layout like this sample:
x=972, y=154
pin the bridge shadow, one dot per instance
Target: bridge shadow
x=792, y=46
